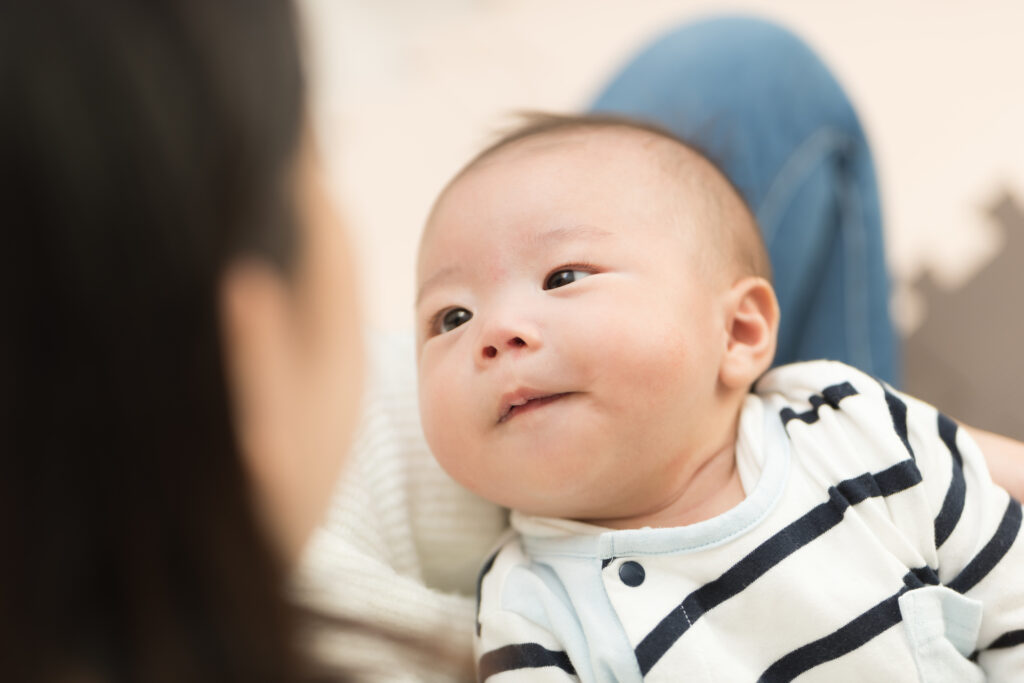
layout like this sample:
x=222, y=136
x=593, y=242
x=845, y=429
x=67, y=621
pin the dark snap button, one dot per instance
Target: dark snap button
x=631, y=573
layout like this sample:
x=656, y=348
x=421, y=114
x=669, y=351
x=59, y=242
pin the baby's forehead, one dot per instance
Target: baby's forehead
x=620, y=159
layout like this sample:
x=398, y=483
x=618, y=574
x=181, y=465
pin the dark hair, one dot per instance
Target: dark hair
x=748, y=248
x=143, y=147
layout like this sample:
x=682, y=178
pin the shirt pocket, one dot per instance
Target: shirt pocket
x=942, y=628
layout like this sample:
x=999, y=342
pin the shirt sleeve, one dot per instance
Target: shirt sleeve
x=977, y=530
x=509, y=645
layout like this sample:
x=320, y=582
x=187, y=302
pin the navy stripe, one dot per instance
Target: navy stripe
x=488, y=565
x=759, y=561
x=1010, y=639
x=847, y=638
x=830, y=396
x=898, y=413
x=978, y=568
x=953, y=505
x=921, y=576
x=522, y=656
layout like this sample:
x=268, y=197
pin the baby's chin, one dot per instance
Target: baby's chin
x=554, y=505
x=538, y=479
x=534, y=501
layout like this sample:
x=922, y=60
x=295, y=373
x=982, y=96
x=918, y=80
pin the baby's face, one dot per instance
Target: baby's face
x=568, y=339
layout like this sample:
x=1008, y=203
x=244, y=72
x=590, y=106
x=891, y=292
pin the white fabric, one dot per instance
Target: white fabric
x=849, y=560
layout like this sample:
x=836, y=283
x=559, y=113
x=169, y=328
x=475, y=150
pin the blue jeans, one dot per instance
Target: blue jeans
x=758, y=102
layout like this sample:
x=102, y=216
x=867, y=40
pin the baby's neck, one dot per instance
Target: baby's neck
x=712, y=488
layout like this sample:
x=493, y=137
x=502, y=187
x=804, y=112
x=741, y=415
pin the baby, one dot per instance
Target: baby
x=594, y=310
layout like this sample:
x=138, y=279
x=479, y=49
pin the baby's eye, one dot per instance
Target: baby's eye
x=561, y=278
x=452, y=318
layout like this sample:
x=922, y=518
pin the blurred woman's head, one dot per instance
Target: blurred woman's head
x=179, y=359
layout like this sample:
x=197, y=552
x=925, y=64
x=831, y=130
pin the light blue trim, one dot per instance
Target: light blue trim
x=584, y=624
x=942, y=629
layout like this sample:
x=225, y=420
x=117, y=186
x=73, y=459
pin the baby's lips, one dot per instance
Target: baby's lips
x=513, y=401
x=517, y=397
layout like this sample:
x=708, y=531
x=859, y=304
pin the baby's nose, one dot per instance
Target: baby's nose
x=491, y=351
x=508, y=334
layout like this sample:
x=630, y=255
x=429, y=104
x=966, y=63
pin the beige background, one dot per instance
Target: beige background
x=406, y=90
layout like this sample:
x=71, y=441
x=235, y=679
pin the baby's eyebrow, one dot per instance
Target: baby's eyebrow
x=565, y=234
x=435, y=279
x=571, y=233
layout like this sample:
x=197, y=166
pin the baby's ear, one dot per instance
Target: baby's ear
x=752, y=325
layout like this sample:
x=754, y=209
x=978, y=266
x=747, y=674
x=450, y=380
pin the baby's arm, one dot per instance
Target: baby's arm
x=978, y=538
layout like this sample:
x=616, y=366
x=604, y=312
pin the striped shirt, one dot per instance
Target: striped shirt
x=872, y=545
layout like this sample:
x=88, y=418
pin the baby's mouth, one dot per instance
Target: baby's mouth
x=516, y=406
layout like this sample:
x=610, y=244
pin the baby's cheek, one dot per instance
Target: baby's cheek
x=656, y=376
x=443, y=422
x=648, y=353
x=435, y=411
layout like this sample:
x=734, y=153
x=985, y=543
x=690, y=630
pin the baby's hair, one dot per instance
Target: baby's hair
x=743, y=236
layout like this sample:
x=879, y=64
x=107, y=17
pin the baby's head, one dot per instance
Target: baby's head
x=593, y=306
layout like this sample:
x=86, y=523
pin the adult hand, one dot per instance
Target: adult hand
x=1005, y=458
